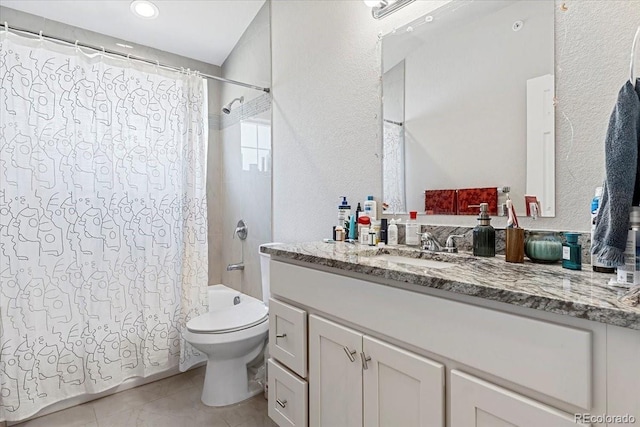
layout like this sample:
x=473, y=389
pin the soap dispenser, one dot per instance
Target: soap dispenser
x=484, y=235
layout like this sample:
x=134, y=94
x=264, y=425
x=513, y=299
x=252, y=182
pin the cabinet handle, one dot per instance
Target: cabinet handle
x=281, y=335
x=350, y=353
x=282, y=403
x=365, y=359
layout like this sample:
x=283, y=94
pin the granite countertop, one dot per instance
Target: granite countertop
x=547, y=287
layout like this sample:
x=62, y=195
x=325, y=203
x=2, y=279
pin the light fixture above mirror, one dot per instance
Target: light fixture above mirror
x=382, y=8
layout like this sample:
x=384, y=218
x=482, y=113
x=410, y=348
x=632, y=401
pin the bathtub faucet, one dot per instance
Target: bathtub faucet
x=238, y=266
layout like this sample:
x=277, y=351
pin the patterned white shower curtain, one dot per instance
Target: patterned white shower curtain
x=103, y=221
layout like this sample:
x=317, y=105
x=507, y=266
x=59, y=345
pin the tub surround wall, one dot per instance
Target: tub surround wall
x=549, y=288
x=327, y=121
x=214, y=191
x=245, y=194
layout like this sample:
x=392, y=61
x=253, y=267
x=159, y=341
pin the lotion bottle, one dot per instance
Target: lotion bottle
x=370, y=208
x=344, y=210
x=392, y=234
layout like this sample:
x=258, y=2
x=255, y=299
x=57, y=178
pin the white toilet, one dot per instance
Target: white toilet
x=232, y=334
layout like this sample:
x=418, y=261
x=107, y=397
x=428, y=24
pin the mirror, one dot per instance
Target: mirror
x=468, y=103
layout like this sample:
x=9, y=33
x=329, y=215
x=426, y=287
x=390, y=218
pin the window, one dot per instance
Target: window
x=255, y=144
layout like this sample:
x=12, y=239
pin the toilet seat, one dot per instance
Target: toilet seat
x=231, y=319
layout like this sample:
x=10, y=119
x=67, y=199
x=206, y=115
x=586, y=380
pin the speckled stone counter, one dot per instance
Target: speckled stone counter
x=581, y=294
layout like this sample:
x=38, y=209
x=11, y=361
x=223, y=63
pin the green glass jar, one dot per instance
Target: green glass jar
x=543, y=247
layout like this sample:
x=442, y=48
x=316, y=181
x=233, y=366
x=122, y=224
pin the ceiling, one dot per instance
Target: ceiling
x=206, y=30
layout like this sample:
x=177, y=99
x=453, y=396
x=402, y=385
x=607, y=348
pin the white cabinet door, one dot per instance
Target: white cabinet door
x=335, y=375
x=401, y=388
x=478, y=403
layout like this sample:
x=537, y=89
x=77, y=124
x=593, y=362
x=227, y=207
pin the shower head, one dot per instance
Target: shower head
x=227, y=108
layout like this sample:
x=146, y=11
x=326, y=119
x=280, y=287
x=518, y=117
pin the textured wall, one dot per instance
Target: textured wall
x=326, y=112
x=326, y=116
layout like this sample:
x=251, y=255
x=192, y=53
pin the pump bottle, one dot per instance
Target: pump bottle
x=484, y=235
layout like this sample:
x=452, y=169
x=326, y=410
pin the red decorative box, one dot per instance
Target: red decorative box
x=440, y=202
x=473, y=197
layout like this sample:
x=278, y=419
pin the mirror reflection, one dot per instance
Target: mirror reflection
x=468, y=103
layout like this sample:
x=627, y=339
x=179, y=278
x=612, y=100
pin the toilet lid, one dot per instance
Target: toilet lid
x=234, y=318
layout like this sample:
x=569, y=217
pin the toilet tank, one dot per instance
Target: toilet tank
x=221, y=296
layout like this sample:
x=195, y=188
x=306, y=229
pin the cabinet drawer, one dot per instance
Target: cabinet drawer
x=287, y=397
x=475, y=402
x=288, y=336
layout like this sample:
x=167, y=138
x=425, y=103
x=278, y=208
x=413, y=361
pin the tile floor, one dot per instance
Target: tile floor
x=171, y=402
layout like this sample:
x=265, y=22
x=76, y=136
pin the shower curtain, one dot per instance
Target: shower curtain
x=103, y=221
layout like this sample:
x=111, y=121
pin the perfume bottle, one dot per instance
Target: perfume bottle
x=572, y=252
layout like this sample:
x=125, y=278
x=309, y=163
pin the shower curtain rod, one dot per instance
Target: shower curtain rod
x=133, y=57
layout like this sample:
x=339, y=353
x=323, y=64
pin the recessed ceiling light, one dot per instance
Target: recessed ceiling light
x=144, y=9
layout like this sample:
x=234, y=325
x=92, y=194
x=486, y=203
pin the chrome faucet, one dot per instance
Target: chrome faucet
x=241, y=231
x=238, y=266
x=430, y=243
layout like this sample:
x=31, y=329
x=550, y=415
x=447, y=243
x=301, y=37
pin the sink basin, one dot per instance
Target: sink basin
x=417, y=262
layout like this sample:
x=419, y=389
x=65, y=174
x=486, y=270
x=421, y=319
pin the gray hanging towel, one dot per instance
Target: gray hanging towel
x=621, y=187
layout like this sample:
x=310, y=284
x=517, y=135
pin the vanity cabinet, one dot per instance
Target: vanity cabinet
x=358, y=380
x=379, y=355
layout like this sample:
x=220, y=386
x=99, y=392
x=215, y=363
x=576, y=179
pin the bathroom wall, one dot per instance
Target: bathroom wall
x=246, y=169
x=326, y=116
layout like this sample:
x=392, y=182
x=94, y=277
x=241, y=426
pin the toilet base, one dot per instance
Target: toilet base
x=226, y=381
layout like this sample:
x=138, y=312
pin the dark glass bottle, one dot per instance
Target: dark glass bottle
x=484, y=235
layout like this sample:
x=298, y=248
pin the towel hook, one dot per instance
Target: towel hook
x=633, y=57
